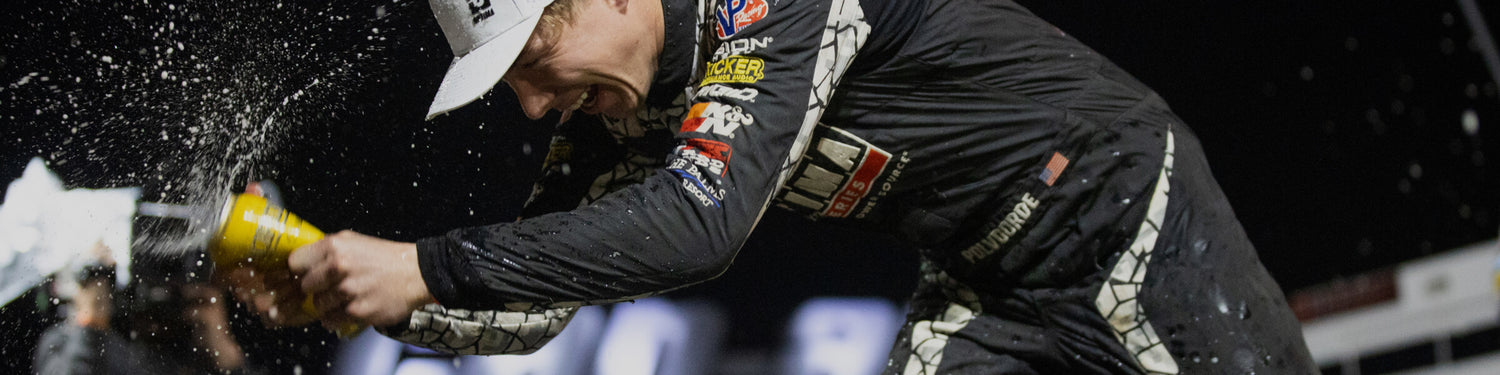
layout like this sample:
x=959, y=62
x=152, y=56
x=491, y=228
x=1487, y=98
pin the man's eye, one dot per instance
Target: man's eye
x=527, y=63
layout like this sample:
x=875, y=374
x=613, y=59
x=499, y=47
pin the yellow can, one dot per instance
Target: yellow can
x=251, y=229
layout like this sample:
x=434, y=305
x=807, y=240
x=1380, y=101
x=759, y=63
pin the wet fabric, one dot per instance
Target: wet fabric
x=1021, y=164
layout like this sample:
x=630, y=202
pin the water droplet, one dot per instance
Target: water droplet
x=1470, y=122
x=1200, y=245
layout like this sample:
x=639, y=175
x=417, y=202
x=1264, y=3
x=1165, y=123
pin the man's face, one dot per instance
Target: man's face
x=601, y=62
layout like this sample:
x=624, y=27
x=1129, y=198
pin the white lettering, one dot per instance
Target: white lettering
x=839, y=153
x=1002, y=232
x=724, y=119
x=740, y=47
x=698, y=193
x=885, y=188
x=721, y=91
x=803, y=201
x=819, y=181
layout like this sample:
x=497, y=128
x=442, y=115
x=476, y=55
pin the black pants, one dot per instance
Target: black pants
x=1189, y=296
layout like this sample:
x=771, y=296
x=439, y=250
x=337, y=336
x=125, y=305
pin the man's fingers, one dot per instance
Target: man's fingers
x=330, y=304
x=305, y=257
x=280, y=309
x=240, y=277
x=263, y=303
x=320, y=279
x=276, y=276
x=289, y=308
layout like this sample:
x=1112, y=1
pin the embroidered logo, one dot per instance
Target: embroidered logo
x=1054, y=168
x=715, y=118
x=736, y=15
x=735, y=69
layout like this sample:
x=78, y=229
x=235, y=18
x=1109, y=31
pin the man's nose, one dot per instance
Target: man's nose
x=534, y=102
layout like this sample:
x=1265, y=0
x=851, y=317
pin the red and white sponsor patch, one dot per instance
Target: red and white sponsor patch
x=736, y=15
x=858, y=185
x=717, y=154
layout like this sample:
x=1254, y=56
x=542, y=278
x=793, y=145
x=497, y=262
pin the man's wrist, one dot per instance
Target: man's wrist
x=433, y=269
x=418, y=294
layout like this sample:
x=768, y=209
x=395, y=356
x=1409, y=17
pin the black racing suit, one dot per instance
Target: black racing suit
x=1039, y=182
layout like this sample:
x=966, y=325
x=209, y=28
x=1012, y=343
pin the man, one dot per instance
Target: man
x=1067, y=220
x=175, y=325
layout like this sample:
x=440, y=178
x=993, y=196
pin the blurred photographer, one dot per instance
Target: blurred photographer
x=166, y=322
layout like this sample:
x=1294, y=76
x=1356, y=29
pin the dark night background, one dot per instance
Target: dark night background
x=1335, y=128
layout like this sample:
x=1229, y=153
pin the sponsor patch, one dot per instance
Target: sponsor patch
x=559, y=151
x=837, y=175
x=740, y=47
x=720, y=91
x=480, y=10
x=734, y=69
x=1001, y=232
x=693, y=183
x=736, y=15
x=713, y=155
x=715, y=118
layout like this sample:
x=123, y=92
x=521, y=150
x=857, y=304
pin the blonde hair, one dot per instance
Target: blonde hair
x=554, y=16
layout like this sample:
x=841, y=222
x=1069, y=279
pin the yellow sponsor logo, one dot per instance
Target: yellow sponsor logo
x=560, y=151
x=734, y=69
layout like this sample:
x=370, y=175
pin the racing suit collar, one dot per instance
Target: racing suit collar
x=674, y=69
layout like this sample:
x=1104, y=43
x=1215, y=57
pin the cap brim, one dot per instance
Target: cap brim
x=474, y=74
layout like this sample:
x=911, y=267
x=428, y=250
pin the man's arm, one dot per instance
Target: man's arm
x=458, y=331
x=680, y=226
x=683, y=224
x=77, y=346
x=583, y=158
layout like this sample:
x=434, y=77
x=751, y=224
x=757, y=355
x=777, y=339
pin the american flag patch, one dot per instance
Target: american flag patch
x=1054, y=168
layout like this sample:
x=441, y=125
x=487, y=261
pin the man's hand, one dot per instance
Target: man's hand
x=92, y=305
x=210, y=319
x=360, y=279
x=274, y=295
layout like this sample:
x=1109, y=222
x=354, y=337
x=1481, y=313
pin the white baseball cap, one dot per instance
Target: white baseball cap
x=486, y=36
